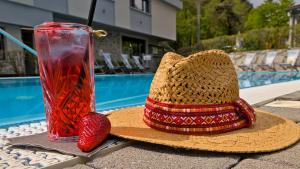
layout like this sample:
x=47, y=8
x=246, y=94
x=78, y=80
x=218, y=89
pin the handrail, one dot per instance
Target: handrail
x=19, y=43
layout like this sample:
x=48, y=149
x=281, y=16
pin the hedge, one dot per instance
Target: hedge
x=257, y=39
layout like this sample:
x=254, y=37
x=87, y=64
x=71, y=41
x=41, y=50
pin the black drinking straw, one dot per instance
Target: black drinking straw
x=91, y=12
x=86, y=56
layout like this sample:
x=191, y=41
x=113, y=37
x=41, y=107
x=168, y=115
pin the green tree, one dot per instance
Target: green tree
x=224, y=17
x=269, y=14
x=186, y=27
x=218, y=17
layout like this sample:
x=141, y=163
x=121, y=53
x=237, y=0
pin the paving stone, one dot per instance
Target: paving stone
x=79, y=166
x=290, y=113
x=259, y=164
x=284, y=103
x=292, y=96
x=289, y=156
x=143, y=155
x=30, y=157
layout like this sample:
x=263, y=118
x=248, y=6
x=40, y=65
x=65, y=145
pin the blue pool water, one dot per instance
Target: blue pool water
x=21, y=98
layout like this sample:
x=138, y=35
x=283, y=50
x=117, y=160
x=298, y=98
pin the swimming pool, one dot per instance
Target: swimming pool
x=21, y=98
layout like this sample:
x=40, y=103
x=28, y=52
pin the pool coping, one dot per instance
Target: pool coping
x=255, y=95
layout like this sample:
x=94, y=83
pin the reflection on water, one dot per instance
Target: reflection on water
x=252, y=79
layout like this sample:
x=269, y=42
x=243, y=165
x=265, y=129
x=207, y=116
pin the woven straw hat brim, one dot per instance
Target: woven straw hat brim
x=269, y=133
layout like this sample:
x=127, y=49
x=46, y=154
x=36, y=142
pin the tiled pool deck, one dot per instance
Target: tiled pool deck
x=143, y=155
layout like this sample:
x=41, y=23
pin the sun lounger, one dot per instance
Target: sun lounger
x=126, y=61
x=292, y=56
x=128, y=65
x=110, y=65
x=98, y=67
x=268, y=62
x=247, y=63
x=138, y=63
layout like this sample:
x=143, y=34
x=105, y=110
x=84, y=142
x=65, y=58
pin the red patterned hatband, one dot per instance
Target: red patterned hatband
x=198, y=119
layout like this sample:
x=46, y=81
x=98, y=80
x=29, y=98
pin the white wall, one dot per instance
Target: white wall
x=79, y=8
x=26, y=2
x=14, y=31
x=163, y=20
x=122, y=13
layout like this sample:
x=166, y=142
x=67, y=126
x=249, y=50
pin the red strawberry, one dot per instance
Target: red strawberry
x=93, y=130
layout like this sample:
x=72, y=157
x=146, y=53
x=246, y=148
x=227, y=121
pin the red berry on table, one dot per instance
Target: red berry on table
x=93, y=130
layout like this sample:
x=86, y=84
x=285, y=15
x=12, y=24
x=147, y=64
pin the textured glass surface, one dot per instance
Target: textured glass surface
x=65, y=56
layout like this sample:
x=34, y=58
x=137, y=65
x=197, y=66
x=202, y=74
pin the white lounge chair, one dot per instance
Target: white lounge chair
x=110, y=65
x=268, y=62
x=292, y=56
x=138, y=63
x=247, y=63
x=125, y=59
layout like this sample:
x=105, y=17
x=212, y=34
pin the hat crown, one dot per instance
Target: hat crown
x=206, y=77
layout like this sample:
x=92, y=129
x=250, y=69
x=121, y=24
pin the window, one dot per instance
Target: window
x=27, y=36
x=2, y=49
x=30, y=60
x=142, y=5
x=133, y=46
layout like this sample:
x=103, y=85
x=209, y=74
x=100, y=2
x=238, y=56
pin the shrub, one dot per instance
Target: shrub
x=222, y=42
x=265, y=38
x=257, y=39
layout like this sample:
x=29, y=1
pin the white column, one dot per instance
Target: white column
x=291, y=26
x=294, y=30
x=16, y=32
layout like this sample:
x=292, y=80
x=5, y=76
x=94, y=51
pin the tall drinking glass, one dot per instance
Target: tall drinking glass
x=66, y=67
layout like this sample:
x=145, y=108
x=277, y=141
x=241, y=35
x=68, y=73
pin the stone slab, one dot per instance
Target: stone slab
x=285, y=103
x=69, y=148
x=143, y=155
x=259, y=164
x=292, y=96
x=289, y=156
x=254, y=95
x=290, y=113
x=80, y=166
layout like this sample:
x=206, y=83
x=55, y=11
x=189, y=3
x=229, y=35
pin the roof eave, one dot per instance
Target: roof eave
x=175, y=3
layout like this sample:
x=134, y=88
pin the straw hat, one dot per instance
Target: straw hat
x=194, y=103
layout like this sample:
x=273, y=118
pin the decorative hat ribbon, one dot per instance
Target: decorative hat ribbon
x=198, y=118
x=246, y=110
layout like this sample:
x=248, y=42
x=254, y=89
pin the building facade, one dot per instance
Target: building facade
x=134, y=26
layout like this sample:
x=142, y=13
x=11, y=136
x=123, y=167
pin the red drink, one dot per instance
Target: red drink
x=66, y=66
